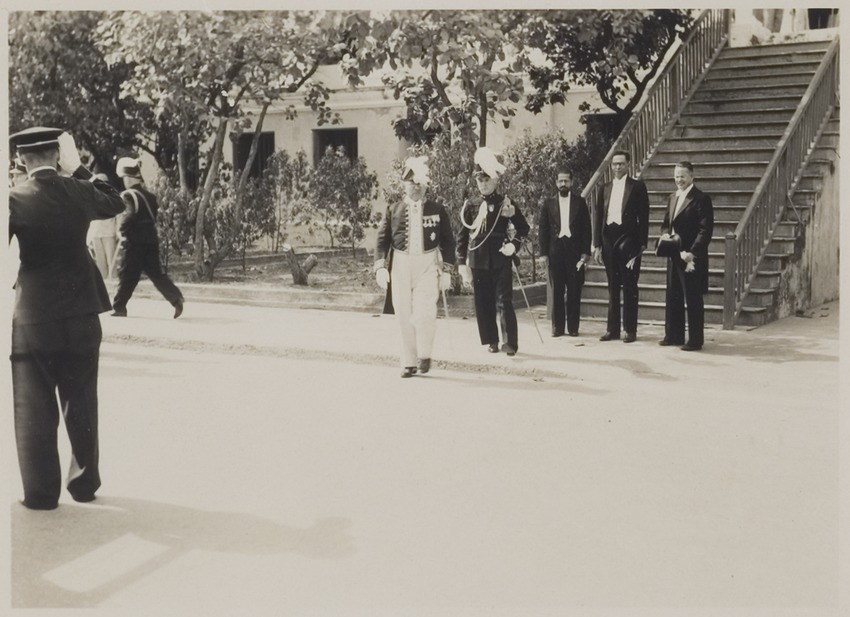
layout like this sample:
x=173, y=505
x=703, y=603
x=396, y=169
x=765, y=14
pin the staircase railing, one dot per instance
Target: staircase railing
x=667, y=95
x=747, y=246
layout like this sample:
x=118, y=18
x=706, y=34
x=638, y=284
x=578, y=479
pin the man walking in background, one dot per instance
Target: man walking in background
x=140, y=242
x=620, y=235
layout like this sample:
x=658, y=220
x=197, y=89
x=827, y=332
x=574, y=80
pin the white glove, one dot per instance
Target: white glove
x=382, y=277
x=688, y=258
x=69, y=158
x=581, y=263
x=508, y=209
x=508, y=249
x=465, y=274
x=445, y=281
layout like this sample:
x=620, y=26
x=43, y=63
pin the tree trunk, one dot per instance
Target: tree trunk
x=246, y=170
x=181, y=159
x=202, y=267
x=302, y=270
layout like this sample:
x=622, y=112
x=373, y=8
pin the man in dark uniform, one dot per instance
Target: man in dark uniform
x=620, y=234
x=140, y=242
x=564, y=236
x=415, y=249
x=486, y=253
x=56, y=330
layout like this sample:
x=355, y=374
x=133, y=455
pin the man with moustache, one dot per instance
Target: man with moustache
x=486, y=249
x=564, y=235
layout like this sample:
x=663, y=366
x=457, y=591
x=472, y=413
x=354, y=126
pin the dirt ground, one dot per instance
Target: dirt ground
x=336, y=270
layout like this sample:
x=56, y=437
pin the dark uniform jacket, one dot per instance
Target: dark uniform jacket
x=138, y=223
x=634, y=232
x=50, y=215
x=482, y=251
x=436, y=231
x=694, y=225
x=550, y=224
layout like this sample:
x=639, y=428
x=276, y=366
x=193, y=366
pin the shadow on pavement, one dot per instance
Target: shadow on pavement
x=80, y=555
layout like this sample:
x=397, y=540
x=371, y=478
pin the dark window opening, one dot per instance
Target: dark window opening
x=242, y=147
x=334, y=138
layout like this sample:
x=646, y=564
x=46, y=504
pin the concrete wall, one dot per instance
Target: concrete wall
x=813, y=276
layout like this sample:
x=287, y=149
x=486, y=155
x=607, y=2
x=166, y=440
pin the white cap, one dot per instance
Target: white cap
x=487, y=161
x=416, y=169
x=127, y=166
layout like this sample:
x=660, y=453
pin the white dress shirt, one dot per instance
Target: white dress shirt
x=615, y=204
x=681, y=195
x=564, y=206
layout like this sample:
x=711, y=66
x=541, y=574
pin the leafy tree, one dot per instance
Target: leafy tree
x=341, y=192
x=201, y=67
x=288, y=179
x=616, y=51
x=174, y=219
x=458, y=76
x=58, y=77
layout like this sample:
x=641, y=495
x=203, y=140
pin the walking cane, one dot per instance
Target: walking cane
x=527, y=304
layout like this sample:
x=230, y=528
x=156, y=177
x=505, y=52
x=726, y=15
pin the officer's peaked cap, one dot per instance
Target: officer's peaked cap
x=35, y=139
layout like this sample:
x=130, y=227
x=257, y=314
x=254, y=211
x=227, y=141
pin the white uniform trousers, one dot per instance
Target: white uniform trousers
x=415, y=289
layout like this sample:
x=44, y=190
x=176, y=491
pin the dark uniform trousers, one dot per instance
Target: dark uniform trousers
x=49, y=357
x=493, y=292
x=615, y=260
x=138, y=259
x=684, y=288
x=566, y=280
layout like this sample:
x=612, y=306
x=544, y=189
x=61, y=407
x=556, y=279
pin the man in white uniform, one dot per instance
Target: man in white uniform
x=415, y=242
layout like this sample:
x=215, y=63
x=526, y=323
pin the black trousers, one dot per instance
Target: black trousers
x=684, y=289
x=141, y=259
x=493, y=291
x=49, y=358
x=620, y=277
x=567, y=283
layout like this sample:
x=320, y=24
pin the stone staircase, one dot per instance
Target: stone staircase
x=729, y=130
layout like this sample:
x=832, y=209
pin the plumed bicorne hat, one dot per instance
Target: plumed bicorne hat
x=416, y=170
x=128, y=167
x=487, y=162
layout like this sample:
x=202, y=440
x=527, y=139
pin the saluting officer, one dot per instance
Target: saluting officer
x=486, y=250
x=56, y=330
x=414, y=243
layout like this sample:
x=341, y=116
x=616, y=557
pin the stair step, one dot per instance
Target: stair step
x=654, y=312
x=772, y=51
x=785, y=103
x=728, y=64
x=769, y=130
x=787, y=78
x=758, y=69
x=734, y=91
x=737, y=117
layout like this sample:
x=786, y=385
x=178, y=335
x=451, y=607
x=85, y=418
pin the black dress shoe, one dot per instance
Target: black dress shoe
x=39, y=505
x=83, y=497
x=557, y=333
x=118, y=313
x=408, y=371
x=424, y=365
x=493, y=348
x=573, y=333
x=178, y=309
x=609, y=337
x=509, y=349
x=689, y=347
x=665, y=343
x=630, y=337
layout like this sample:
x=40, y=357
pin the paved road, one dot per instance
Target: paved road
x=272, y=462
